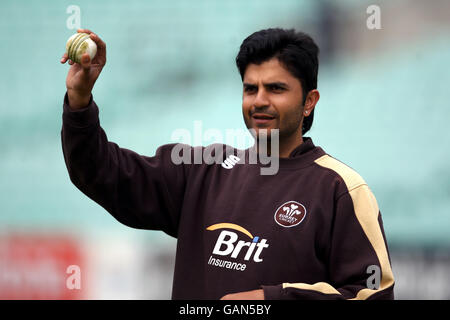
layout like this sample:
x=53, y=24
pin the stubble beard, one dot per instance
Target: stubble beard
x=287, y=129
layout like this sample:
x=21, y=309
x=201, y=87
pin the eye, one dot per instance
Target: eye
x=276, y=88
x=250, y=89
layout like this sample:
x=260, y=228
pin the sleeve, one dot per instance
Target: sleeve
x=140, y=192
x=359, y=264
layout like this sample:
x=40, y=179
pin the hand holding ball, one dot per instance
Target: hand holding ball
x=79, y=44
x=83, y=72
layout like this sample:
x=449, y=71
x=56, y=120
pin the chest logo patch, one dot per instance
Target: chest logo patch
x=290, y=214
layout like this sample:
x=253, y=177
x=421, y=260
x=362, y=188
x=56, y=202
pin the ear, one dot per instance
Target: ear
x=310, y=103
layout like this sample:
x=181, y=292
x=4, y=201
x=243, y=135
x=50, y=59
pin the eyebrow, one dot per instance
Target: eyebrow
x=269, y=84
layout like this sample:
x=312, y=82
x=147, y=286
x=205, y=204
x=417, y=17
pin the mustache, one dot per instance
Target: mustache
x=263, y=111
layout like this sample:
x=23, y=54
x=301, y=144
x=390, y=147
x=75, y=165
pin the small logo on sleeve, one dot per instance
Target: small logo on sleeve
x=290, y=214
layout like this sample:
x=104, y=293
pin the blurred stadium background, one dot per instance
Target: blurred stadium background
x=383, y=110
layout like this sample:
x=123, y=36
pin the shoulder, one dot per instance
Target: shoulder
x=340, y=170
x=351, y=186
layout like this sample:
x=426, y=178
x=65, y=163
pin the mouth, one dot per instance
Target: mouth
x=262, y=118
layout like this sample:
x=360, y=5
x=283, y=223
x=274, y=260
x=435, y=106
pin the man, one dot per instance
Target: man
x=313, y=230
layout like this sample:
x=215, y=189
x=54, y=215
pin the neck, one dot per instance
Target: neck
x=289, y=144
x=286, y=145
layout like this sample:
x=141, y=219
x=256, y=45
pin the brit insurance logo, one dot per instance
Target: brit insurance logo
x=290, y=214
x=231, y=252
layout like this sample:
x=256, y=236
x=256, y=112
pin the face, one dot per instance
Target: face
x=272, y=99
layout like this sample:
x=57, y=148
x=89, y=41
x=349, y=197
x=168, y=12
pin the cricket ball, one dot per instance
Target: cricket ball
x=79, y=44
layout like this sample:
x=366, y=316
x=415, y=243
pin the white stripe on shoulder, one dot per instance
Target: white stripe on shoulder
x=351, y=178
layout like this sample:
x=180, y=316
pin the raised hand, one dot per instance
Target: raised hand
x=81, y=77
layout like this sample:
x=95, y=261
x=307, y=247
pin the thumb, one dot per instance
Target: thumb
x=85, y=62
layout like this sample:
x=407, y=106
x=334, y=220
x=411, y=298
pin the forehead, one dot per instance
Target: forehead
x=269, y=71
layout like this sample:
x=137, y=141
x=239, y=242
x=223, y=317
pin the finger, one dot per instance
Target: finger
x=101, y=49
x=70, y=62
x=64, y=58
x=85, y=62
x=100, y=44
x=84, y=31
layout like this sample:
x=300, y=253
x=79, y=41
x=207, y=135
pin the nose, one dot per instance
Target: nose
x=261, y=99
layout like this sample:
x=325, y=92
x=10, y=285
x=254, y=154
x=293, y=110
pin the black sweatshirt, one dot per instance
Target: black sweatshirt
x=311, y=231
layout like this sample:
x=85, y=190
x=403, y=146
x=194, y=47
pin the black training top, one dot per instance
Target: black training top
x=313, y=230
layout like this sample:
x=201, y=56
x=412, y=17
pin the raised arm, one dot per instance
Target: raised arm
x=139, y=191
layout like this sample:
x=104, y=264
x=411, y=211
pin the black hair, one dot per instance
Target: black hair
x=297, y=51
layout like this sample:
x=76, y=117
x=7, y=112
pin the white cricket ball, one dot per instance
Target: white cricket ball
x=79, y=44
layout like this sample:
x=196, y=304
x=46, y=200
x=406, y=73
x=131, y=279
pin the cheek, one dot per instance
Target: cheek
x=290, y=114
x=246, y=105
